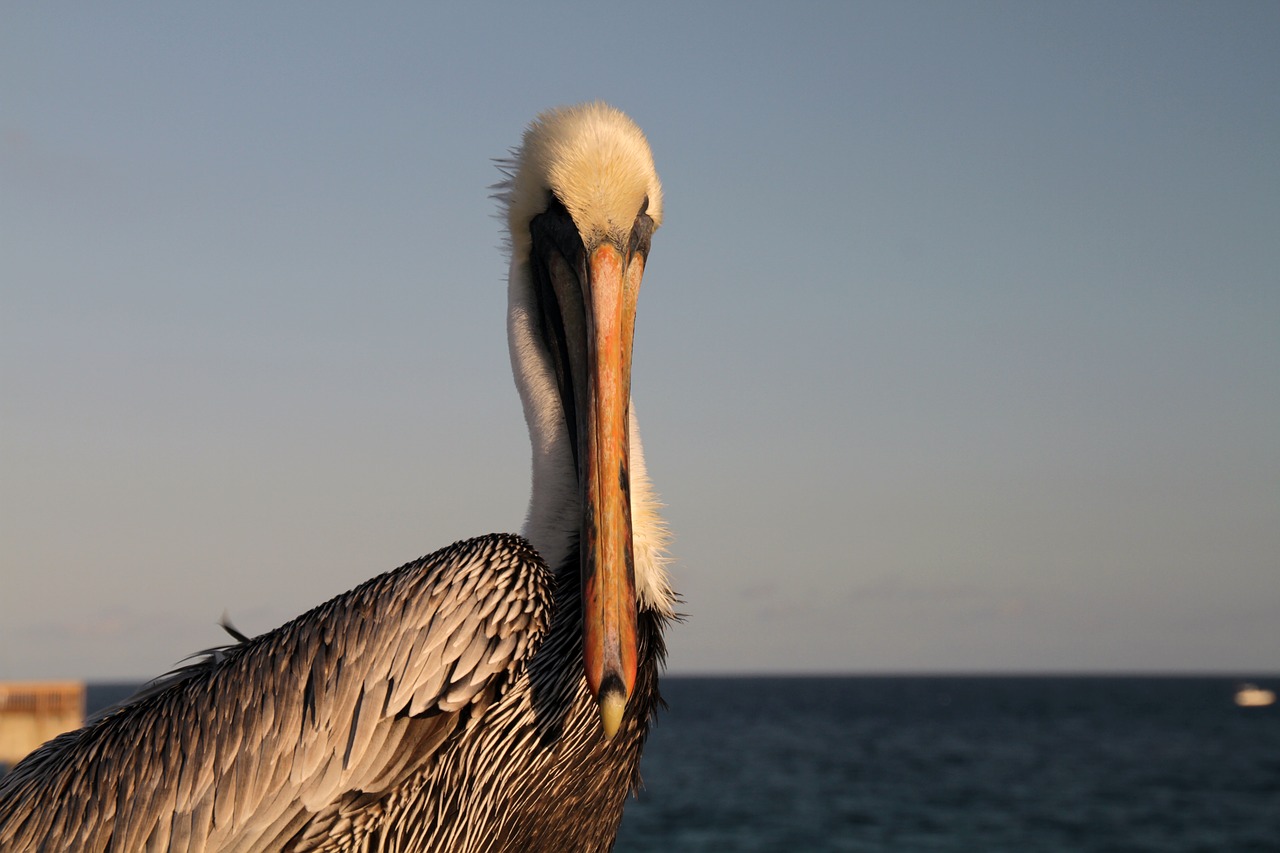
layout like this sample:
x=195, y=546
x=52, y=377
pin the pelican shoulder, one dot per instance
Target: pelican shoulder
x=316, y=719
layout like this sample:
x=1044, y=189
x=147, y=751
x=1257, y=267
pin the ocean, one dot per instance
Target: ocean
x=958, y=764
x=975, y=764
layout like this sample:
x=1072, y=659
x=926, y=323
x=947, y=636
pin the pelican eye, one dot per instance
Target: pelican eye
x=641, y=232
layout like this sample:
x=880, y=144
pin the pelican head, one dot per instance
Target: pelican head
x=582, y=203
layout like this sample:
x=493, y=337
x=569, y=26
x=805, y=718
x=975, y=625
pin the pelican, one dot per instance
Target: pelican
x=494, y=695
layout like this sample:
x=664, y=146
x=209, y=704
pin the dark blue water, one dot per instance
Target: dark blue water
x=958, y=764
x=952, y=764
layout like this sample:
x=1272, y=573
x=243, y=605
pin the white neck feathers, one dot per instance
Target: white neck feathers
x=597, y=163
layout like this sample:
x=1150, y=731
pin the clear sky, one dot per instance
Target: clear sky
x=958, y=350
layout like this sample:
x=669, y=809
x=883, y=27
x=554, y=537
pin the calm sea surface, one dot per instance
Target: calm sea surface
x=952, y=764
x=958, y=764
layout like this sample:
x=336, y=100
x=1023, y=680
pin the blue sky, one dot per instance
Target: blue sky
x=959, y=348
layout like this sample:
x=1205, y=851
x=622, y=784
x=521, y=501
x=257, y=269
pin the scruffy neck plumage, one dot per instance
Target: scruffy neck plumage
x=596, y=162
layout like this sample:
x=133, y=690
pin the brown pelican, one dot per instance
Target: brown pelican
x=494, y=695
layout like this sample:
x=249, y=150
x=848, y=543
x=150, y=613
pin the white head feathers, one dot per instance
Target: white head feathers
x=595, y=160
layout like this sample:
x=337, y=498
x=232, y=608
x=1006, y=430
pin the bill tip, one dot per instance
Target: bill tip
x=612, y=700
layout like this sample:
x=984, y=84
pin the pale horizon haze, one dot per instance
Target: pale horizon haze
x=958, y=350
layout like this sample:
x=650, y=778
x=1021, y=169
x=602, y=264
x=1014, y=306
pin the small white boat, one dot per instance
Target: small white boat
x=1253, y=696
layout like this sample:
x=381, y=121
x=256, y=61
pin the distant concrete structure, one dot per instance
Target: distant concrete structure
x=32, y=712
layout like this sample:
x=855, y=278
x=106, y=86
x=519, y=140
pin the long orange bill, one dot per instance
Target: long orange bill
x=608, y=569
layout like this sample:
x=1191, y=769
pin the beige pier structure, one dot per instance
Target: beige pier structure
x=32, y=712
